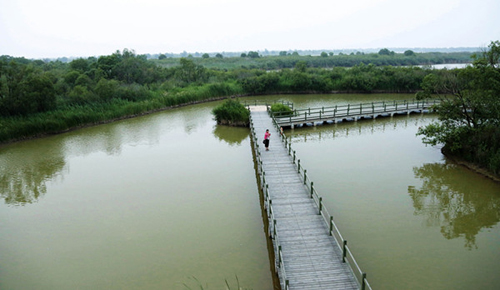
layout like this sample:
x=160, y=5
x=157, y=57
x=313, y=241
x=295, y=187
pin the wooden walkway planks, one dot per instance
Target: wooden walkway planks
x=311, y=257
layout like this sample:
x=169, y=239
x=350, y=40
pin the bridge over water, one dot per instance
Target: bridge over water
x=352, y=112
x=310, y=252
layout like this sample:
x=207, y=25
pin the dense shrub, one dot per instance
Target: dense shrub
x=232, y=113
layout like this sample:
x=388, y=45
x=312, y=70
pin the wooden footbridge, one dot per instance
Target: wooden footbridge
x=350, y=112
x=310, y=252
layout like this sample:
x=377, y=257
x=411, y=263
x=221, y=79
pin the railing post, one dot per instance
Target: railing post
x=298, y=166
x=286, y=284
x=270, y=208
x=344, y=251
x=348, y=108
x=293, y=156
x=305, y=177
x=320, y=205
x=279, y=256
x=290, y=148
x=331, y=225
x=363, y=284
x=312, y=189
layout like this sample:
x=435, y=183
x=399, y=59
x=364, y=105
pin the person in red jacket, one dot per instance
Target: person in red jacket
x=266, y=139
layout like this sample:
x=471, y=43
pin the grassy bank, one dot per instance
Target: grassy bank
x=75, y=116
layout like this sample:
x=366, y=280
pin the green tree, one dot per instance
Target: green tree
x=409, y=53
x=205, y=55
x=385, y=51
x=324, y=54
x=218, y=55
x=80, y=64
x=469, y=112
x=189, y=72
x=301, y=66
x=253, y=54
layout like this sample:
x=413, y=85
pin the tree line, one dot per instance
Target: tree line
x=385, y=57
x=31, y=87
x=39, y=97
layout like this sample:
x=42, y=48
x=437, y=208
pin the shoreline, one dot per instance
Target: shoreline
x=471, y=166
x=44, y=135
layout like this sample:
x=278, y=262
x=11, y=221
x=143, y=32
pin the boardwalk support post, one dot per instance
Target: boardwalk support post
x=344, y=251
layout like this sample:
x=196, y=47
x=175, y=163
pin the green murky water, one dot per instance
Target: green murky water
x=170, y=201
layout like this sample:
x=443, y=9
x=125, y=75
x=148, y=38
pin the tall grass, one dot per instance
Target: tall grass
x=68, y=117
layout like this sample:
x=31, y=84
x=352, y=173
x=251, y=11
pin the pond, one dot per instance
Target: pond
x=170, y=201
x=164, y=201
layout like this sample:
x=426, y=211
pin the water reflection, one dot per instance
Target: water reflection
x=454, y=204
x=231, y=135
x=358, y=128
x=23, y=174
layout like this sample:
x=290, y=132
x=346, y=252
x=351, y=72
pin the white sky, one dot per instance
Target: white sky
x=57, y=28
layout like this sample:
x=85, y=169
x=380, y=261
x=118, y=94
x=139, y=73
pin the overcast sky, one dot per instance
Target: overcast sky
x=58, y=28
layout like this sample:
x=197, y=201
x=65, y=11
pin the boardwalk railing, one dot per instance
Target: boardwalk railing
x=354, y=111
x=347, y=256
x=247, y=103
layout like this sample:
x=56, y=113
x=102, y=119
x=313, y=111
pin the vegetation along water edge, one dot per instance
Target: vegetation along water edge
x=48, y=97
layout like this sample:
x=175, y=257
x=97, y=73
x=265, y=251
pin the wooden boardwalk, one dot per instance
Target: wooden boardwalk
x=307, y=255
x=353, y=112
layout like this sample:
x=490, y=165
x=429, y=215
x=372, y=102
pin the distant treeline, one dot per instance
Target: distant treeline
x=38, y=97
x=385, y=57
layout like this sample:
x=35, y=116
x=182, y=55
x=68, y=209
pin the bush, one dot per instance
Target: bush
x=232, y=113
x=280, y=109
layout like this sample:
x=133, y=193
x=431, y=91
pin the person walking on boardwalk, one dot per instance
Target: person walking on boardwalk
x=266, y=139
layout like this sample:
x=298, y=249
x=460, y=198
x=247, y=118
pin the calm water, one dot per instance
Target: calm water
x=169, y=201
x=412, y=219
x=166, y=201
